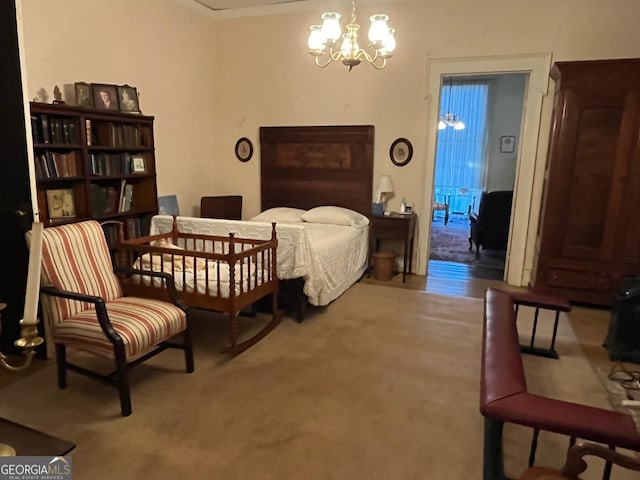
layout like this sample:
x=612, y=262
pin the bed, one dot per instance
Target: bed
x=308, y=166
x=221, y=273
x=308, y=169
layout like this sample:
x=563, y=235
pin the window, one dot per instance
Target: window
x=460, y=154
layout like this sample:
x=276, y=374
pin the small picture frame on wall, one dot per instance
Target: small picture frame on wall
x=128, y=99
x=105, y=97
x=244, y=149
x=507, y=144
x=83, y=95
x=401, y=152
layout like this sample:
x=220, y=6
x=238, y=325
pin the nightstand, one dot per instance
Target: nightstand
x=398, y=227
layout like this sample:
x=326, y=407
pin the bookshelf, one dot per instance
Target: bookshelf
x=94, y=164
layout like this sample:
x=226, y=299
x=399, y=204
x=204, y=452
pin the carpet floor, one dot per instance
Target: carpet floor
x=451, y=243
x=381, y=384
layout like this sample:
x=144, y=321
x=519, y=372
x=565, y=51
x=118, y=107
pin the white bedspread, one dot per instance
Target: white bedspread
x=330, y=258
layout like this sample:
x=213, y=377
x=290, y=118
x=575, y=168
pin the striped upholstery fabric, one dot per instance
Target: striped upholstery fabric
x=76, y=257
x=142, y=323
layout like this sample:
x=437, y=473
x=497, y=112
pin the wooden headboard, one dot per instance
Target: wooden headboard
x=306, y=167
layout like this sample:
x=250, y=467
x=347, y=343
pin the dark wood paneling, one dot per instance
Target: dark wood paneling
x=306, y=167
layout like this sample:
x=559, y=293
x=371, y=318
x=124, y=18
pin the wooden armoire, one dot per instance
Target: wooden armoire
x=589, y=236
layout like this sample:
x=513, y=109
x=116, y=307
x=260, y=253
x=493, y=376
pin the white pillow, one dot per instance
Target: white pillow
x=280, y=215
x=335, y=216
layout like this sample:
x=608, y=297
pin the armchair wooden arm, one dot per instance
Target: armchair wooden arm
x=575, y=463
x=170, y=284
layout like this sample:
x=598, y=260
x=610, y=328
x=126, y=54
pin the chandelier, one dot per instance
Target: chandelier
x=449, y=119
x=328, y=44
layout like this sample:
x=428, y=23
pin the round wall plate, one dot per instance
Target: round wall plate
x=244, y=149
x=401, y=152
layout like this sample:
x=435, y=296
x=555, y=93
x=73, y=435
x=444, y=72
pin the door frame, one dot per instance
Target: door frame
x=527, y=188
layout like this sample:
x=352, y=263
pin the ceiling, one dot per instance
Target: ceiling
x=230, y=4
x=240, y=8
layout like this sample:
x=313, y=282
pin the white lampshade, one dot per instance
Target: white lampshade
x=331, y=29
x=385, y=185
x=388, y=44
x=316, y=42
x=379, y=28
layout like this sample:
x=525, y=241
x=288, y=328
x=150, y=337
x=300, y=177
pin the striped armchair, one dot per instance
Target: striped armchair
x=84, y=308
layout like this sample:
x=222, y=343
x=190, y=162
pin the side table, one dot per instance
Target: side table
x=396, y=226
x=31, y=442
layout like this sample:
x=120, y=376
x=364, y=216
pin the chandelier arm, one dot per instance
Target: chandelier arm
x=381, y=65
x=335, y=55
x=363, y=53
x=321, y=64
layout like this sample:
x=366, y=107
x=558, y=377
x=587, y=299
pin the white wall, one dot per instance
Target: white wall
x=210, y=82
x=162, y=48
x=505, y=119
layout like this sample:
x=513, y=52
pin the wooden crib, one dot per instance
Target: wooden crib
x=224, y=274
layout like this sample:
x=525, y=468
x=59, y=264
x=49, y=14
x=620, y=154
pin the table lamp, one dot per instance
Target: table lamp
x=385, y=188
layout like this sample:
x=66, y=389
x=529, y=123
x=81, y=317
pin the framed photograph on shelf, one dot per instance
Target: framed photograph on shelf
x=138, y=165
x=507, y=144
x=105, y=97
x=60, y=203
x=128, y=99
x=83, y=94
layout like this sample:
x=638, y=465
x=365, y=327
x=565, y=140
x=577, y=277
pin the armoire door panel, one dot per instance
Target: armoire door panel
x=628, y=247
x=587, y=225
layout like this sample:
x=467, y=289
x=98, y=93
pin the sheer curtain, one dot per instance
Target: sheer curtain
x=460, y=154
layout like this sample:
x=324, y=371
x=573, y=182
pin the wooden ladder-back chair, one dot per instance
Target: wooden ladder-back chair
x=85, y=308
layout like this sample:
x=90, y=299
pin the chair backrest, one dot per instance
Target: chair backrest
x=495, y=207
x=228, y=207
x=76, y=258
x=494, y=212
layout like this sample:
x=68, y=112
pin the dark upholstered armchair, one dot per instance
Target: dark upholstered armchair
x=490, y=226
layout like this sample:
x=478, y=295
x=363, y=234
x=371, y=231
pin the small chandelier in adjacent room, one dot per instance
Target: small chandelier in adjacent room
x=328, y=44
x=449, y=119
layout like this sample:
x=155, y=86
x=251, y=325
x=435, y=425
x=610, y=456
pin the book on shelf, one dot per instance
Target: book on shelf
x=35, y=129
x=88, y=129
x=127, y=197
x=44, y=124
x=56, y=164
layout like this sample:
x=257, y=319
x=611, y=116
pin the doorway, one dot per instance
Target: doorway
x=530, y=162
x=476, y=151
